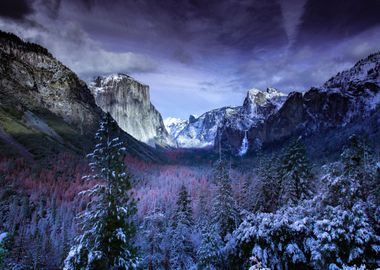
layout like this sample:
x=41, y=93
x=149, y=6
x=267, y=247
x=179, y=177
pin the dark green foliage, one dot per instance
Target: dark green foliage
x=225, y=214
x=295, y=174
x=107, y=230
x=182, y=249
x=268, y=187
x=16, y=41
x=357, y=178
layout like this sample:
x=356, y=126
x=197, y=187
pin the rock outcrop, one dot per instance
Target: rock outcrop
x=128, y=101
x=32, y=78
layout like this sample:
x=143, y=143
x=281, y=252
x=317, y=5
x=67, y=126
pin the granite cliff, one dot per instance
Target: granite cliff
x=44, y=107
x=128, y=101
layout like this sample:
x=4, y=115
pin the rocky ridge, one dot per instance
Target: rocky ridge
x=44, y=107
x=348, y=101
x=201, y=131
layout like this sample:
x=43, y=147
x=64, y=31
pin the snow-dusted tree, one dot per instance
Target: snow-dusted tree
x=3, y=249
x=153, y=228
x=106, y=224
x=246, y=200
x=358, y=179
x=267, y=190
x=182, y=248
x=354, y=178
x=225, y=213
x=208, y=254
x=343, y=237
x=295, y=174
x=204, y=213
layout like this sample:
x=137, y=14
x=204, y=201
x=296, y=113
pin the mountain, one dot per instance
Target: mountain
x=201, y=131
x=174, y=126
x=346, y=103
x=44, y=107
x=128, y=101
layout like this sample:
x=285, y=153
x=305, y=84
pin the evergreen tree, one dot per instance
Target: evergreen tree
x=204, y=213
x=208, y=253
x=295, y=174
x=246, y=200
x=358, y=169
x=106, y=225
x=154, y=228
x=269, y=186
x=357, y=177
x=182, y=249
x=225, y=214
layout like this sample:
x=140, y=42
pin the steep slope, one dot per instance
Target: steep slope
x=346, y=103
x=174, y=126
x=257, y=106
x=128, y=101
x=44, y=107
x=200, y=132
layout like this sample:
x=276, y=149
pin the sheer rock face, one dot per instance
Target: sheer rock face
x=349, y=99
x=30, y=77
x=128, y=101
x=45, y=108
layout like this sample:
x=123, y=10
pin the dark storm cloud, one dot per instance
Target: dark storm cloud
x=200, y=54
x=15, y=9
x=212, y=25
x=323, y=24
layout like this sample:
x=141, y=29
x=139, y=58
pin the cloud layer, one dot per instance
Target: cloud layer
x=197, y=55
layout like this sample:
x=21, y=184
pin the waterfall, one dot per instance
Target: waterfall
x=244, y=145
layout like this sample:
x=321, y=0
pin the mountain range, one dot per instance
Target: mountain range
x=324, y=116
x=201, y=131
x=45, y=108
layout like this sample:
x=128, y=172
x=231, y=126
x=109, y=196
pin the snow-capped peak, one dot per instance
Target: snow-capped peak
x=201, y=131
x=259, y=97
x=174, y=126
x=102, y=83
x=258, y=105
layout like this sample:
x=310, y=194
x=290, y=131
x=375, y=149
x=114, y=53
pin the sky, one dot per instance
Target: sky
x=198, y=55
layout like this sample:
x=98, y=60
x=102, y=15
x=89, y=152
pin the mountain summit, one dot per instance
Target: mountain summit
x=347, y=103
x=201, y=131
x=128, y=101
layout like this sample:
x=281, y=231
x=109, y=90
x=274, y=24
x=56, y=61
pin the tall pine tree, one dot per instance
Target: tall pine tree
x=153, y=228
x=106, y=224
x=268, y=187
x=295, y=174
x=225, y=213
x=359, y=179
x=209, y=251
x=182, y=249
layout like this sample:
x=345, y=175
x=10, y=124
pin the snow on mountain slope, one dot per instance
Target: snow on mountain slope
x=348, y=102
x=201, y=131
x=366, y=71
x=174, y=126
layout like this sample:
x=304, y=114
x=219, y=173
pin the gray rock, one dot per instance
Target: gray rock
x=128, y=101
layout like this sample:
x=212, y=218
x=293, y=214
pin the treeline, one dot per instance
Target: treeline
x=15, y=42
